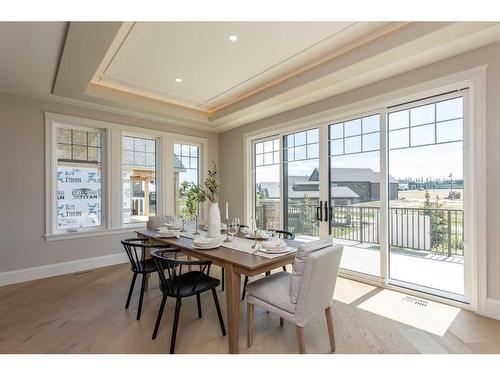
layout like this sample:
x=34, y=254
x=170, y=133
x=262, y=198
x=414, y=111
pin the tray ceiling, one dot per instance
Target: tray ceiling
x=272, y=68
x=214, y=70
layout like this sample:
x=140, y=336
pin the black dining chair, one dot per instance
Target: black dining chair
x=136, y=249
x=178, y=285
x=280, y=234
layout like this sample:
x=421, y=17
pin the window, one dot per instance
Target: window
x=139, y=179
x=355, y=136
x=354, y=190
x=267, y=183
x=104, y=177
x=78, y=178
x=186, y=169
x=429, y=124
x=301, y=179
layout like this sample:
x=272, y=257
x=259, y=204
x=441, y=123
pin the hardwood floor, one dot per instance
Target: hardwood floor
x=84, y=313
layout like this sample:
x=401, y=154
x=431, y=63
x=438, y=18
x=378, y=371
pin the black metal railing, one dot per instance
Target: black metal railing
x=437, y=230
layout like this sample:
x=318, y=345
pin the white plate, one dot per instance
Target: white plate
x=276, y=251
x=207, y=247
x=174, y=227
x=251, y=236
x=166, y=235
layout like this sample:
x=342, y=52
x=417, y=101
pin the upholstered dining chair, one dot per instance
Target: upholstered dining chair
x=297, y=297
x=283, y=234
x=154, y=222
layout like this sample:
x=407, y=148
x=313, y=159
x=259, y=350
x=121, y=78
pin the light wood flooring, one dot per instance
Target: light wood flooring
x=84, y=313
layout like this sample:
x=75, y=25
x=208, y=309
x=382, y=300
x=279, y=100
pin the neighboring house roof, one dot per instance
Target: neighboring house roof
x=352, y=175
x=343, y=192
x=178, y=166
x=272, y=190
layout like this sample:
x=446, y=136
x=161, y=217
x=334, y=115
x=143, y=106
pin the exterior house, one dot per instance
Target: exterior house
x=349, y=186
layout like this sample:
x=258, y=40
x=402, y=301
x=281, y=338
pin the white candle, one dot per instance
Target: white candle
x=227, y=211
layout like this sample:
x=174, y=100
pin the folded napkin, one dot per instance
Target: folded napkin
x=275, y=244
x=206, y=240
x=169, y=232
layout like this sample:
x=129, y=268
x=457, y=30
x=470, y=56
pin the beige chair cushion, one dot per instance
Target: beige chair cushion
x=303, y=252
x=274, y=290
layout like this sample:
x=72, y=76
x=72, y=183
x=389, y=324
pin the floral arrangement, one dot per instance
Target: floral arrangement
x=200, y=193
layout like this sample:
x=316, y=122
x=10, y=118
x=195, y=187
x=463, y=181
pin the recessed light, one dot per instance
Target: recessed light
x=232, y=38
x=179, y=80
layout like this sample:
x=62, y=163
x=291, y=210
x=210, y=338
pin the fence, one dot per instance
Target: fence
x=436, y=230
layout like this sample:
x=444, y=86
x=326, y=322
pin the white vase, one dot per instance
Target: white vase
x=213, y=224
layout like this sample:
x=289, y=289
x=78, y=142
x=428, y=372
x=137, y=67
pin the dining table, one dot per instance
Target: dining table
x=235, y=263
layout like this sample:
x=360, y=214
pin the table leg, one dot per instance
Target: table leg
x=233, y=281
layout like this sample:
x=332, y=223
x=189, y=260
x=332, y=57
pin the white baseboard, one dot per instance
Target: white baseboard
x=493, y=308
x=34, y=273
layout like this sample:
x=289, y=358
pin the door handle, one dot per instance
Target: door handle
x=326, y=211
x=319, y=215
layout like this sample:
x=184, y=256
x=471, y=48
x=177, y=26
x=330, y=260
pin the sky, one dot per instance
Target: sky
x=435, y=161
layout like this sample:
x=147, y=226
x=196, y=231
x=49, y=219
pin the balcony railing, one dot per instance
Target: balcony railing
x=436, y=230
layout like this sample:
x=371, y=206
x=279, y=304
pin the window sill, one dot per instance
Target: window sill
x=92, y=233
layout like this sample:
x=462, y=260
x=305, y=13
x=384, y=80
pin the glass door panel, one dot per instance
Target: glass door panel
x=426, y=211
x=354, y=192
x=267, y=193
x=301, y=179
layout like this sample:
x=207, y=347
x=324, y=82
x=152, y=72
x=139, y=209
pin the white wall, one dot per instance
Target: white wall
x=22, y=184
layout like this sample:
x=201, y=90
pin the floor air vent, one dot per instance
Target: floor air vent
x=415, y=301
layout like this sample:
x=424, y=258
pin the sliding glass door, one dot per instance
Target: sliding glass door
x=354, y=192
x=388, y=185
x=426, y=209
x=301, y=180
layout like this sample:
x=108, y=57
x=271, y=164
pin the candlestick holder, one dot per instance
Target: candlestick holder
x=227, y=233
x=196, y=226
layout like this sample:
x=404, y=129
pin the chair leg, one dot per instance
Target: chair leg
x=219, y=313
x=284, y=268
x=160, y=314
x=132, y=284
x=249, y=325
x=300, y=339
x=198, y=302
x=329, y=323
x=143, y=288
x=223, y=279
x=176, y=322
x=244, y=288
x=282, y=322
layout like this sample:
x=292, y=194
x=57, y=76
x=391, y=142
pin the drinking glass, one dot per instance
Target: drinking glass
x=232, y=229
x=236, y=226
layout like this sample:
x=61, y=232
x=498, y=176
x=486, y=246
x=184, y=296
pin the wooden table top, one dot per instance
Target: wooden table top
x=245, y=263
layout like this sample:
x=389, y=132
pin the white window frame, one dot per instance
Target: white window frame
x=112, y=188
x=158, y=182
x=202, y=167
x=474, y=166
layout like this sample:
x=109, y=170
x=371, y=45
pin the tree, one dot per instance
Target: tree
x=438, y=221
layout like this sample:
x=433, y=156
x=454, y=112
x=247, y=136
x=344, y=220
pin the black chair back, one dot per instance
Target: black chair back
x=283, y=234
x=170, y=270
x=242, y=226
x=136, y=251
